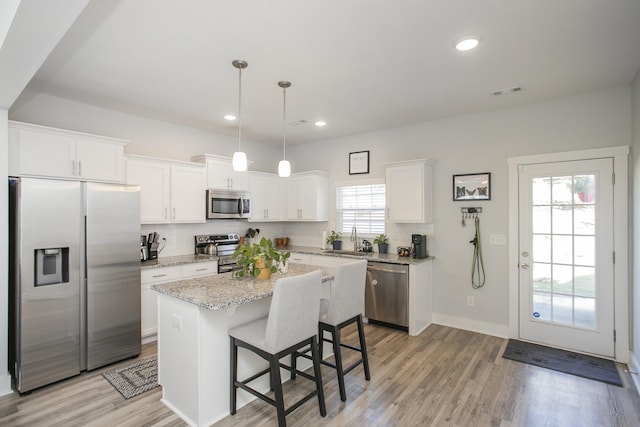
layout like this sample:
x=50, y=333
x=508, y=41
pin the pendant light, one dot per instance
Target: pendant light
x=239, y=160
x=284, y=167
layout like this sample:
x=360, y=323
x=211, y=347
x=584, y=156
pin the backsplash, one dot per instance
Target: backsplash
x=180, y=236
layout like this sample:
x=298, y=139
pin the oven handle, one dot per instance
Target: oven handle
x=240, y=206
x=227, y=268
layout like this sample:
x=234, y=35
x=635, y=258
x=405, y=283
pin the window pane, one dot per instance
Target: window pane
x=585, y=312
x=562, y=219
x=562, y=250
x=541, y=306
x=562, y=309
x=541, y=248
x=584, y=188
x=361, y=206
x=584, y=219
x=561, y=190
x=541, y=191
x=541, y=277
x=541, y=219
x=585, y=281
x=585, y=250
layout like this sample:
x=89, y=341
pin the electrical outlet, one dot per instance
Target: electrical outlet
x=471, y=301
x=497, y=239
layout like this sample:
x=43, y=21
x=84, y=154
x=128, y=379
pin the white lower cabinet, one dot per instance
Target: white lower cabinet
x=149, y=277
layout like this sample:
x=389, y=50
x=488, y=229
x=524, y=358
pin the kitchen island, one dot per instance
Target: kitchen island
x=194, y=317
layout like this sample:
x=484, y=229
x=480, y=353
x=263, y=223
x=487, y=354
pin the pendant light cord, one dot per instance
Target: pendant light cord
x=284, y=121
x=477, y=266
x=239, y=107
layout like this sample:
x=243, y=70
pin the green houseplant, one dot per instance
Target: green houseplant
x=583, y=186
x=383, y=243
x=334, y=239
x=259, y=259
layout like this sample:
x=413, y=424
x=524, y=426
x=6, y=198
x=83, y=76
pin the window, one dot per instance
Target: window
x=362, y=206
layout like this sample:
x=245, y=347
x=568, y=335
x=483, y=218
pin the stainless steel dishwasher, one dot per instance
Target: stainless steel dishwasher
x=386, y=295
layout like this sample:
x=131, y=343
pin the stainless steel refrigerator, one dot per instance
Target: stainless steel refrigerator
x=74, y=278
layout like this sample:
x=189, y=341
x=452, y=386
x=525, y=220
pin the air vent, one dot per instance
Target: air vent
x=507, y=91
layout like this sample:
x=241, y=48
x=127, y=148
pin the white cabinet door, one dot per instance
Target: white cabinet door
x=266, y=199
x=154, y=179
x=149, y=297
x=42, y=151
x=44, y=154
x=220, y=173
x=408, y=190
x=188, y=194
x=307, y=197
x=99, y=161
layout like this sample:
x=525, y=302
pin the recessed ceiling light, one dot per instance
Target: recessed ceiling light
x=467, y=43
x=230, y=117
x=320, y=123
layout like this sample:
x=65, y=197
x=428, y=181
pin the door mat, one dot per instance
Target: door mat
x=593, y=368
x=135, y=378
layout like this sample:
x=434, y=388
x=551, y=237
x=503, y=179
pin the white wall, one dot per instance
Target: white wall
x=469, y=144
x=147, y=137
x=5, y=380
x=635, y=253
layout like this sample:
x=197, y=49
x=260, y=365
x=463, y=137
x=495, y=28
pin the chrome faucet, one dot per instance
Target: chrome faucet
x=354, y=238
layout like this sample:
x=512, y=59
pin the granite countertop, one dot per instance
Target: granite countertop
x=390, y=258
x=223, y=290
x=171, y=261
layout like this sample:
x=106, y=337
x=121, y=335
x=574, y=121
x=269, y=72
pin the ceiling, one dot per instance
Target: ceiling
x=361, y=65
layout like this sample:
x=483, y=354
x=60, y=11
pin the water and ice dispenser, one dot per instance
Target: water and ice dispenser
x=52, y=266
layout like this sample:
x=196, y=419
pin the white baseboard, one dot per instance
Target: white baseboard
x=634, y=366
x=472, y=325
x=149, y=338
x=5, y=385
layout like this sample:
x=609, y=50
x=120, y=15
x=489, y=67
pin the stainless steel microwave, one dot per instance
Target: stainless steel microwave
x=228, y=204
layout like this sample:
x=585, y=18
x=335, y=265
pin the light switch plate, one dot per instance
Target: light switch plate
x=497, y=239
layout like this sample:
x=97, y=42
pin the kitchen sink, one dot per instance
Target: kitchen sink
x=346, y=252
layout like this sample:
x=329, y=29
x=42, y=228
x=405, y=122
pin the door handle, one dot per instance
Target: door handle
x=524, y=265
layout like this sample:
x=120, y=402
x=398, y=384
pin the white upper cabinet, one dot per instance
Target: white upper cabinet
x=308, y=196
x=220, y=173
x=171, y=192
x=266, y=197
x=42, y=151
x=408, y=190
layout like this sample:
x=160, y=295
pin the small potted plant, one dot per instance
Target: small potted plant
x=334, y=240
x=259, y=259
x=383, y=243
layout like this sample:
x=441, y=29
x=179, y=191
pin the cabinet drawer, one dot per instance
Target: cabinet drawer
x=159, y=275
x=199, y=269
x=299, y=258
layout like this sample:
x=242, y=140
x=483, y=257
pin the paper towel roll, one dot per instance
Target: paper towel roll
x=324, y=240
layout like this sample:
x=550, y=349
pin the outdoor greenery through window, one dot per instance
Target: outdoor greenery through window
x=361, y=205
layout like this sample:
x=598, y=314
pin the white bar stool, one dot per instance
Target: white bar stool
x=290, y=325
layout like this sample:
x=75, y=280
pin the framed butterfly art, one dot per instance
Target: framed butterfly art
x=472, y=186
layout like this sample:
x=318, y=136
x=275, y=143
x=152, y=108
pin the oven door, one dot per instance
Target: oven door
x=228, y=204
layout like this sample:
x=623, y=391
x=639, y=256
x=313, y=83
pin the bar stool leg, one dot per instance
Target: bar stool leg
x=363, y=349
x=335, y=332
x=318, y=376
x=234, y=375
x=320, y=340
x=277, y=390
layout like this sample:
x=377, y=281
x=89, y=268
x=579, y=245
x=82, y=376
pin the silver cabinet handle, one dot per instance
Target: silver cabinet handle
x=79, y=167
x=231, y=179
x=174, y=213
x=524, y=265
x=201, y=269
x=165, y=213
x=158, y=275
x=73, y=167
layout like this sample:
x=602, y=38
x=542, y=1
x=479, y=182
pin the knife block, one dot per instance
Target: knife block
x=153, y=250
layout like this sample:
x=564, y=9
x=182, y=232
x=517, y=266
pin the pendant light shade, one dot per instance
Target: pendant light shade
x=284, y=167
x=239, y=160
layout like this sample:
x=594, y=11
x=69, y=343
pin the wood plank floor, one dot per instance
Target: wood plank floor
x=444, y=377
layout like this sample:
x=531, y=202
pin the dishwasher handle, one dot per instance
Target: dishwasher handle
x=387, y=270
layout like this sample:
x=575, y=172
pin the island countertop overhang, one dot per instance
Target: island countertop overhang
x=220, y=291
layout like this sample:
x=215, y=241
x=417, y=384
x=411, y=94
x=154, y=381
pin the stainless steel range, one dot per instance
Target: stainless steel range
x=222, y=245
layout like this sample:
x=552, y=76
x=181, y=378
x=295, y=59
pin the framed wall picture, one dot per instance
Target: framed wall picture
x=472, y=186
x=358, y=162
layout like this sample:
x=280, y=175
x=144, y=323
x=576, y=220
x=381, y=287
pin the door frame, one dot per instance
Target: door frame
x=620, y=156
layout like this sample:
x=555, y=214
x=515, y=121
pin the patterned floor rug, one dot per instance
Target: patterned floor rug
x=135, y=378
x=565, y=361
